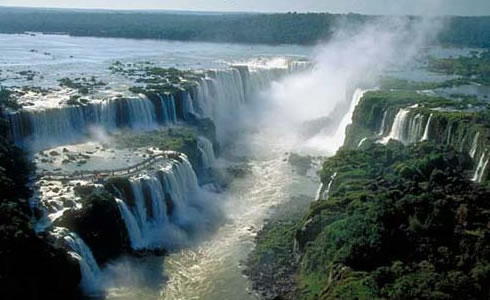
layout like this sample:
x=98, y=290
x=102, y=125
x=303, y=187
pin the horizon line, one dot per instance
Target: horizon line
x=190, y=11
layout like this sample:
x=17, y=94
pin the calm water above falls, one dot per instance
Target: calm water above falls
x=58, y=56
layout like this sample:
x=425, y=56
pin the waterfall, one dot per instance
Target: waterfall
x=449, y=132
x=325, y=190
x=222, y=93
x=134, y=232
x=299, y=66
x=361, y=142
x=405, y=129
x=414, y=128
x=219, y=96
x=474, y=145
x=480, y=169
x=168, y=109
x=425, y=137
x=207, y=152
x=329, y=186
x=88, y=265
x=319, y=192
x=160, y=202
x=398, y=127
x=383, y=122
x=52, y=126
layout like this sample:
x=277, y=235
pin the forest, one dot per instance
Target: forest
x=287, y=28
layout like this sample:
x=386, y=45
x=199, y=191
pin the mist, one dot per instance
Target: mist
x=353, y=58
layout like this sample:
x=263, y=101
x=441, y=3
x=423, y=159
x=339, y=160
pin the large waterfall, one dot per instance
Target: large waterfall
x=88, y=265
x=162, y=208
x=53, y=126
x=407, y=127
x=218, y=96
x=332, y=142
x=397, y=131
x=207, y=152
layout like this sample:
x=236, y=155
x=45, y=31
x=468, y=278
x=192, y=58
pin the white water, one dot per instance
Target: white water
x=88, y=266
x=40, y=128
x=474, y=145
x=327, y=143
x=408, y=129
x=361, y=142
x=425, y=137
x=212, y=270
x=481, y=168
x=324, y=194
x=383, y=124
x=168, y=206
x=221, y=95
x=206, y=150
x=415, y=128
x=319, y=192
x=449, y=133
x=218, y=96
x=398, y=127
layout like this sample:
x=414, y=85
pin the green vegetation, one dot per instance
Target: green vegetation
x=180, y=139
x=471, y=68
x=290, y=28
x=83, y=85
x=400, y=223
x=155, y=79
x=463, y=117
x=402, y=84
x=7, y=100
x=98, y=223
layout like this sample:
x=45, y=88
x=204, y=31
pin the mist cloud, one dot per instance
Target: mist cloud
x=354, y=57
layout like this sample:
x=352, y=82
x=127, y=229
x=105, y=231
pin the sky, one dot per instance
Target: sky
x=412, y=7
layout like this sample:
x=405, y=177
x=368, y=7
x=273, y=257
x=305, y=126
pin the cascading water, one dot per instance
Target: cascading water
x=425, y=137
x=168, y=109
x=361, y=142
x=88, y=265
x=338, y=139
x=398, y=127
x=52, y=126
x=160, y=207
x=324, y=192
x=207, y=152
x=222, y=93
x=474, y=145
x=333, y=142
x=481, y=167
x=383, y=123
x=217, y=96
x=449, y=133
x=407, y=129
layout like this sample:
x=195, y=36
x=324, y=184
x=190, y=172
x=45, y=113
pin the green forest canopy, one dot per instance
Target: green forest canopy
x=290, y=28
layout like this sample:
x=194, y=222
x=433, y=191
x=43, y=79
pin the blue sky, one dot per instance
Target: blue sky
x=446, y=7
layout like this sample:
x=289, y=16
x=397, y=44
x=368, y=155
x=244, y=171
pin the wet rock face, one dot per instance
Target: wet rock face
x=100, y=225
